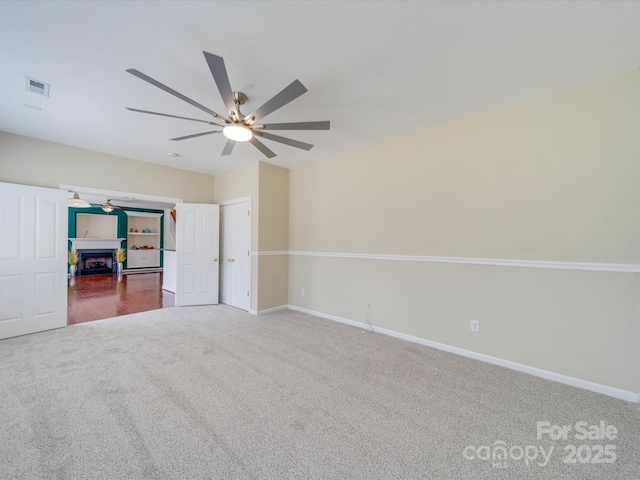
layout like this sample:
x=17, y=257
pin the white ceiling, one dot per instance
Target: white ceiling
x=376, y=70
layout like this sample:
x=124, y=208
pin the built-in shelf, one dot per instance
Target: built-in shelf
x=147, y=257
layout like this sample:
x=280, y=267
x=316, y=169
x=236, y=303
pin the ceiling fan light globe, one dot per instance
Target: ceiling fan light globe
x=237, y=133
x=77, y=202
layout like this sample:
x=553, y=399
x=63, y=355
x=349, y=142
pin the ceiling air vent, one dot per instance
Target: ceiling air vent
x=36, y=86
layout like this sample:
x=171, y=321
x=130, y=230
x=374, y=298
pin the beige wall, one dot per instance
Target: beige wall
x=274, y=208
x=274, y=236
x=29, y=161
x=273, y=276
x=555, y=179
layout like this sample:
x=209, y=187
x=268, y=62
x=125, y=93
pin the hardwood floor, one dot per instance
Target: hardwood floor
x=94, y=297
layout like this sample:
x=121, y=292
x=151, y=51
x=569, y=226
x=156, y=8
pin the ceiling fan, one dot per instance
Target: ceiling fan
x=236, y=126
x=110, y=207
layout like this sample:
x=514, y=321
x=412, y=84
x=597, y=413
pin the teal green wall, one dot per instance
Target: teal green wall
x=122, y=224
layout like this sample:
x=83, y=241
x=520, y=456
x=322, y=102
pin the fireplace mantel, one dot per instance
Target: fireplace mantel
x=96, y=243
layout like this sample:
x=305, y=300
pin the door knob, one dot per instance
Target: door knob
x=215, y=259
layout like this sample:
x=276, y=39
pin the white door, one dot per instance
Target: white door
x=197, y=246
x=236, y=254
x=33, y=259
x=225, y=266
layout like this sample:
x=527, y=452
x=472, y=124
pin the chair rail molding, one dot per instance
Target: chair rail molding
x=587, y=266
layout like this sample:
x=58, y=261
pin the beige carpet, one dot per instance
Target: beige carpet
x=212, y=392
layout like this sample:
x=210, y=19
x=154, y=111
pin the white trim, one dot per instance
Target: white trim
x=134, y=271
x=234, y=201
x=267, y=254
x=269, y=310
x=595, y=267
x=536, y=372
x=118, y=194
x=97, y=243
x=131, y=213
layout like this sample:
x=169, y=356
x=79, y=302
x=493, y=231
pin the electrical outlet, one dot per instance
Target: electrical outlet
x=302, y=292
x=475, y=325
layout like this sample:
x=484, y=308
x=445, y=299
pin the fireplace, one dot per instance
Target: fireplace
x=96, y=255
x=97, y=261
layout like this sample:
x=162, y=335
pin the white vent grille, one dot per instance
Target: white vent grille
x=36, y=86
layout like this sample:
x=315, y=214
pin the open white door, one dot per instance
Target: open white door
x=197, y=245
x=33, y=259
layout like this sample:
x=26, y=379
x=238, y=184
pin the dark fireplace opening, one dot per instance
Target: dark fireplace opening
x=96, y=262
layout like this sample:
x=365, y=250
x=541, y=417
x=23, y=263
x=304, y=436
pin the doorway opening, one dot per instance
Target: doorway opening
x=95, y=293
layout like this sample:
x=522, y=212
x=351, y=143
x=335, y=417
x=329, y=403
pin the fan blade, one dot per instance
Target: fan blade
x=262, y=147
x=161, y=86
x=219, y=72
x=323, y=125
x=291, y=92
x=228, y=148
x=173, y=116
x=286, y=141
x=195, y=135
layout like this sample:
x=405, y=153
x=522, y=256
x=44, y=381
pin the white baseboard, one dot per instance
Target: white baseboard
x=135, y=271
x=269, y=310
x=536, y=372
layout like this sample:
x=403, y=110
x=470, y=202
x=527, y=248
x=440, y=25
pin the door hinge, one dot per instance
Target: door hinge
x=247, y=293
x=249, y=212
x=248, y=253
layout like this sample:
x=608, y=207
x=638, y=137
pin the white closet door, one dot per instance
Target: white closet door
x=197, y=251
x=236, y=255
x=226, y=214
x=33, y=259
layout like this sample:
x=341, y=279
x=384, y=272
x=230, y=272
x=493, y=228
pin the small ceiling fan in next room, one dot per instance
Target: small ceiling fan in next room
x=236, y=126
x=110, y=207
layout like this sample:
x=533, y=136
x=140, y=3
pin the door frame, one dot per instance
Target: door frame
x=232, y=202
